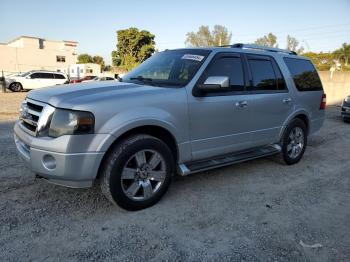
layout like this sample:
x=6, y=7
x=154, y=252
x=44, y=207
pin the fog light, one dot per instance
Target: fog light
x=49, y=162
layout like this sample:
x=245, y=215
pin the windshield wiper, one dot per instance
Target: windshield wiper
x=144, y=80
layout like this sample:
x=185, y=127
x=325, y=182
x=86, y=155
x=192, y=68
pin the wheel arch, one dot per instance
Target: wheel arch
x=157, y=131
x=302, y=115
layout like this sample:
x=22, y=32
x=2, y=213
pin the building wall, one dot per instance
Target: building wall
x=26, y=54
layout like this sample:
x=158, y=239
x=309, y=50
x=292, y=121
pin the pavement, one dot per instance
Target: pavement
x=261, y=210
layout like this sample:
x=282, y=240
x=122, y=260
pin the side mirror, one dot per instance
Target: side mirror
x=215, y=84
x=29, y=77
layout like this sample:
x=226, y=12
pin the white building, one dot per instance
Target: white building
x=82, y=70
x=27, y=53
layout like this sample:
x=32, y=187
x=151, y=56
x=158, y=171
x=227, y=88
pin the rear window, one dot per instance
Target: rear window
x=59, y=76
x=304, y=74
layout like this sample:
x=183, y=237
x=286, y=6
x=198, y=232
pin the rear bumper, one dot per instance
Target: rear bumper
x=76, y=170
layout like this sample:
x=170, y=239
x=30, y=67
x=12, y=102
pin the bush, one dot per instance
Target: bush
x=323, y=67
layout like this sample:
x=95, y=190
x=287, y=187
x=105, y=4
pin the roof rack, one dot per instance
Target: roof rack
x=260, y=47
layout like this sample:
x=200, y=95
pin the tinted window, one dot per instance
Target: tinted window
x=304, y=74
x=59, y=76
x=35, y=75
x=263, y=74
x=228, y=66
x=47, y=75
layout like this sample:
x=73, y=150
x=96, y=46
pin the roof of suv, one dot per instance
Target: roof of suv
x=46, y=71
x=253, y=48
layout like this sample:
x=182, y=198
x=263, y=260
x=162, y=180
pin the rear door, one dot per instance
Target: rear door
x=271, y=101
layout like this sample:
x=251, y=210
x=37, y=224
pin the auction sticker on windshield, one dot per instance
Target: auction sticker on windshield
x=193, y=57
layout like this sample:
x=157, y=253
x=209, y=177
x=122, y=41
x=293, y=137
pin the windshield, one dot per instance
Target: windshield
x=168, y=68
x=25, y=74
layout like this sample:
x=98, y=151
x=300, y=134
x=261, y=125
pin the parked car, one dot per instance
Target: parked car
x=345, y=109
x=101, y=78
x=181, y=111
x=35, y=80
x=74, y=81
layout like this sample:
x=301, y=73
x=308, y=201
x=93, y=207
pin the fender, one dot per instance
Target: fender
x=145, y=116
x=299, y=111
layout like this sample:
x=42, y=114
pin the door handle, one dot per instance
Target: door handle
x=287, y=100
x=241, y=104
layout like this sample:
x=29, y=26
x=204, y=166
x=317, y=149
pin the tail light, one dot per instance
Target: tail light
x=323, y=102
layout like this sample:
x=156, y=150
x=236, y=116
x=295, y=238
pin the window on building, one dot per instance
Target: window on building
x=60, y=58
x=81, y=70
x=72, y=71
x=89, y=71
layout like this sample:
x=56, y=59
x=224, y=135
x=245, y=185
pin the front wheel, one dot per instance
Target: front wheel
x=294, y=142
x=137, y=172
x=16, y=87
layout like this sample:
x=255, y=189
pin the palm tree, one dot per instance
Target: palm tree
x=343, y=53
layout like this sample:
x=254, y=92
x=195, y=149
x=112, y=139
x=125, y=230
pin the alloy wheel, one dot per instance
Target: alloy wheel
x=143, y=175
x=295, y=142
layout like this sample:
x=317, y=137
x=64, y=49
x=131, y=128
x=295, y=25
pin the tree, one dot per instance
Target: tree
x=99, y=60
x=343, y=53
x=293, y=45
x=204, y=37
x=116, y=61
x=267, y=40
x=134, y=47
x=84, y=58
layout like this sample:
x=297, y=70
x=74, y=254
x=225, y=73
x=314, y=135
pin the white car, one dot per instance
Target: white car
x=101, y=78
x=35, y=79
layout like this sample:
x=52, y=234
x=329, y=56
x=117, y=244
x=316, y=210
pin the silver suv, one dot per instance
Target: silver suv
x=181, y=111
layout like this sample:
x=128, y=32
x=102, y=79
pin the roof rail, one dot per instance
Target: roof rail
x=264, y=48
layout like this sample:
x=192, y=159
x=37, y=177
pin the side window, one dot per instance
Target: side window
x=304, y=74
x=47, y=75
x=59, y=76
x=35, y=76
x=263, y=74
x=229, y=66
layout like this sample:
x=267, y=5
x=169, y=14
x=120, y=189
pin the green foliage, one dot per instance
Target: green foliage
x=293, y=45
x=267, y=40
x=99, y=60
x=343, y=53
x=84, y=58
x=134, y=47
x=204, y=37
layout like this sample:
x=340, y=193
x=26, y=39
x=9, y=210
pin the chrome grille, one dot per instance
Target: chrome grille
x=29, y=115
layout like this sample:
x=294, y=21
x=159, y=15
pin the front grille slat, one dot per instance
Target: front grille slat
x=30, y=114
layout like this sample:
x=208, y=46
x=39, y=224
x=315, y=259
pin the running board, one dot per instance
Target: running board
x=228, y=159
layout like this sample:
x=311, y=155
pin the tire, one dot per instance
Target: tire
x=346, y=120
x=16, y=87
x=293, y=149
x=137, y=172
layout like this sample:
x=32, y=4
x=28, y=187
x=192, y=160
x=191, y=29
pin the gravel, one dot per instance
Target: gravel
x=260, y=210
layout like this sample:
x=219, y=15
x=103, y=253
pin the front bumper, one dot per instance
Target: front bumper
x=345, y=111
x=71, y=169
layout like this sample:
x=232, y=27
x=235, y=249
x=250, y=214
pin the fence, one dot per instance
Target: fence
x=336, y=87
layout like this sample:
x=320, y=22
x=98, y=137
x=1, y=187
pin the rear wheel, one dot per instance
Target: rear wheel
x=16, y=87
x=137, y=172
x=294, y=142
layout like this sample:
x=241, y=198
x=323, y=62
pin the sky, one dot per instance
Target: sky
x=319, y=25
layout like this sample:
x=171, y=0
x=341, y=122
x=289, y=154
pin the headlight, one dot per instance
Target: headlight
x=69, y=122
x=347, y=100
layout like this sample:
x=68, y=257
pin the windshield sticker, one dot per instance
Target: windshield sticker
x=193, y=57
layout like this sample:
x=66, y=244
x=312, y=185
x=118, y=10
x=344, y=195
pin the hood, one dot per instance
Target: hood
x=73, y=95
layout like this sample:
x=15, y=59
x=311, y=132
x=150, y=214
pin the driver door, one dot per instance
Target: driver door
x=220, y=122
